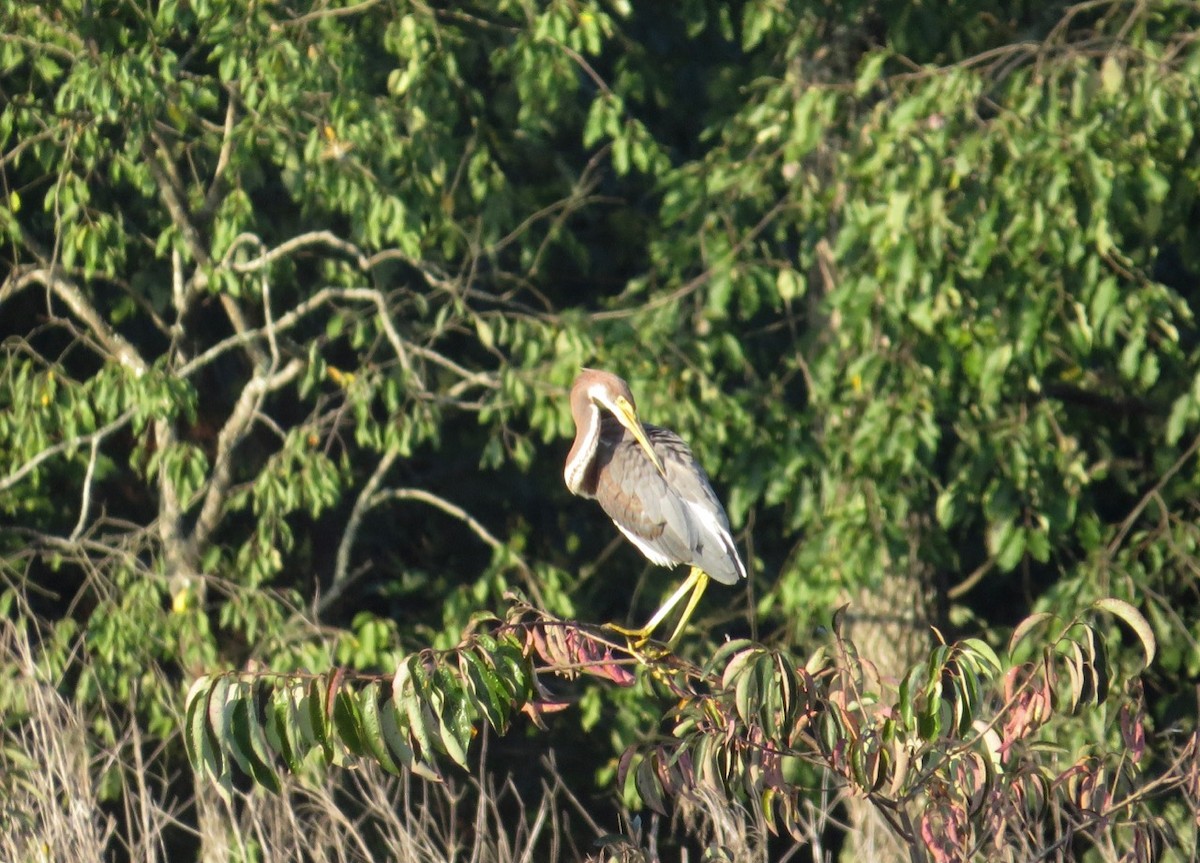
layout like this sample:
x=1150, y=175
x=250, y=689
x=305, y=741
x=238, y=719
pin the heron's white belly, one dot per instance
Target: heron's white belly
x=652, y=553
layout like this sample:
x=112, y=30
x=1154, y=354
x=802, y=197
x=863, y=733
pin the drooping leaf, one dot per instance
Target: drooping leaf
x=1135, y=621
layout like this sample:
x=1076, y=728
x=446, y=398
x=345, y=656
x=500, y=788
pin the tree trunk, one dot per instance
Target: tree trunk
x=889, y=624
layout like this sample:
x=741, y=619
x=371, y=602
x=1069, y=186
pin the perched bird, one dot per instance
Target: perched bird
x=649, y=483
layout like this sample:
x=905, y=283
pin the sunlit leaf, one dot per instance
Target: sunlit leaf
x=1135, y=621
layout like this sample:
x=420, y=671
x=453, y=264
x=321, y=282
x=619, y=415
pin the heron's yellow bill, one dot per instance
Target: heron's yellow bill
x=628, y=417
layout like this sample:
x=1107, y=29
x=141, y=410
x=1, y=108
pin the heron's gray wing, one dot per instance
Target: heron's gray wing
x=638, y=500
x=673, y=520
x=712, y=546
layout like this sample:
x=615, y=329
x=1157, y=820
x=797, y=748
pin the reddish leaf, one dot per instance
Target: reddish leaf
x=1133, y=732
x=941, y=833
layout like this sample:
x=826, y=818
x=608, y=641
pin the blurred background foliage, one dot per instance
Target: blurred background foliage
x=293, y=292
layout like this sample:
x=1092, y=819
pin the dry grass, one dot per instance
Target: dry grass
x=52, y=779
x=364, y=814
x=47, y=789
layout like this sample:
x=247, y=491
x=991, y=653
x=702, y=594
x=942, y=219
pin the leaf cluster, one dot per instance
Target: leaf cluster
x=428, y=712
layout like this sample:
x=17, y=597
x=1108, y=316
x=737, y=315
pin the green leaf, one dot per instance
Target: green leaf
x=194, y=721
x=348, y=721
x=1026, y=626
x=983, y=650
x=242, y=742
x=991, y=377
x=1135, y=621
x=454, y=719
x=648, y=786
x=395, y=734
x=1006, y=541
x=487, y=690
x=216, y=719
x=267, y=777
x=869, y=72
x=319, y=718
x=372, y=724
x=416, y=708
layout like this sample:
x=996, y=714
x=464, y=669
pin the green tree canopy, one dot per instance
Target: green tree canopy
x=292, y=294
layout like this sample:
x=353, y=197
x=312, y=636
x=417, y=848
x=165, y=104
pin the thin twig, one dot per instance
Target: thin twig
x=117, y=345
x=440, y=503
x=1135, y=513
x=20, y=473
x=231, y=434
x=311, y=238
x=214, y=187
x=466, y=518
x=335, y=12
x=362, y=504
x=85, y=504
x=699, y=281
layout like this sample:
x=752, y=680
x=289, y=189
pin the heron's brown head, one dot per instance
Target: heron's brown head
x=611, y=393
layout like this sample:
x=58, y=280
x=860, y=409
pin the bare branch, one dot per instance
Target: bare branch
x=171, y=191
x=86, y=503
x=269, y=319
x=440, y=503
x=479, y=378
x=466, y=518
x=214, y=188
x=178, y=292
x=25, y=143
x=175, y=549
x=117, y=345
x=699, y=281
x=1131, y=519
x=74, y=443
x=312, y=238
x=324, y=296
x=366, y=500
x=232, y=433
x=332, y=13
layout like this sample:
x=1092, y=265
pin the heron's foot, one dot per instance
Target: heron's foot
x=651, y=653
x=643, y=648
x=636, y=637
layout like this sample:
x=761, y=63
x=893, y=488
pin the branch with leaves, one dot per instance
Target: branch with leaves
x=960, y=759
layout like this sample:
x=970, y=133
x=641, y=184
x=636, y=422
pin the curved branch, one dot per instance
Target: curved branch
x=311, y=238
x=703, y=278
x=441, y=503
x=231, y=435
x=324, y=296
x=74, y=443
x=466, y=518
x=366, y=500
x=121, y=349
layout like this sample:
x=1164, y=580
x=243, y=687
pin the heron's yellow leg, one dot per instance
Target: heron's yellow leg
x=701, y=579
x=696, y=581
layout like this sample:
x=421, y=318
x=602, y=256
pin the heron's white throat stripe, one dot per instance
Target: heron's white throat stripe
x=578, y=466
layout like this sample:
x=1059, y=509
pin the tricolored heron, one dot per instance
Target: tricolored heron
x=651, y=486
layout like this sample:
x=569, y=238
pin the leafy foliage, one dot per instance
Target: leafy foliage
x=963, y=757
x=427, y=713
x=292, y=293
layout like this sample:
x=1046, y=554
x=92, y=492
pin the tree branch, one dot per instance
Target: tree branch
x=466, y=518
x=215, y=187
x=311, y=238
x=699, y=281
x=74, y=443
x=1135, y=513
x=231, y=434
x=324, y=296
x=51, y=278
x=365, y=501
x=85, y=503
